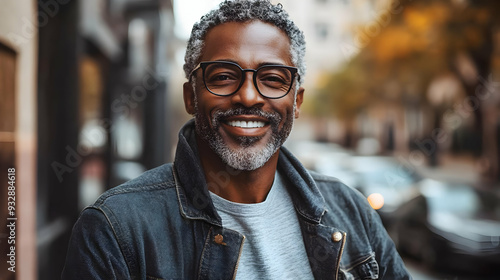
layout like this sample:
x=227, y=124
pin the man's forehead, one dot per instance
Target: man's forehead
x=247, y=39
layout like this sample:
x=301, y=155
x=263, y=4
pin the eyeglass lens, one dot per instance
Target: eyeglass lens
x=226, y=78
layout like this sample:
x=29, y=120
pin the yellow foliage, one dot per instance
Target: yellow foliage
x=393, y=43
x=417, y=20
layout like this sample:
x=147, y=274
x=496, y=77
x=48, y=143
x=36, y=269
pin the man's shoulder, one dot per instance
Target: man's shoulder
x=148, y=185
x=142, y=206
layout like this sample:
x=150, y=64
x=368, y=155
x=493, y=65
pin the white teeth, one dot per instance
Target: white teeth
x=246, y=124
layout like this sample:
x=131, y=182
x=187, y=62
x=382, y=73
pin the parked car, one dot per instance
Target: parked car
x=450, y=226
x=454, y=227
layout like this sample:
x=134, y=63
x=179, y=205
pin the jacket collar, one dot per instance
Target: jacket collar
x=192, y=190
x=307, y=198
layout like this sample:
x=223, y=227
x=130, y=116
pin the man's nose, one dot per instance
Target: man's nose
x=248, y=95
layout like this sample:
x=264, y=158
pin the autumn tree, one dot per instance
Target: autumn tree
x=399, y=59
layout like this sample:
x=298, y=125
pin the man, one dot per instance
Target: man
x=235, y=204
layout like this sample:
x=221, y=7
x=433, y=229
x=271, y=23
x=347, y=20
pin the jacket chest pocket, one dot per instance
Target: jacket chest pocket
x=363, y=268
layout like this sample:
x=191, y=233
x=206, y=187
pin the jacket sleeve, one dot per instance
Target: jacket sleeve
x=390, y=263
x=93, y=251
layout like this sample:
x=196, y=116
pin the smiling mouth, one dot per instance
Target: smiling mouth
x=247, y=124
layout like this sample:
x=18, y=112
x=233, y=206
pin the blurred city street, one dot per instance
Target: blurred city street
x=401, y=102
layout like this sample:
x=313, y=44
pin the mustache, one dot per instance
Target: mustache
x=219, y=115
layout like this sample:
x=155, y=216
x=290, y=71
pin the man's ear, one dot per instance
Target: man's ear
x=299, y=99
x=188, y=95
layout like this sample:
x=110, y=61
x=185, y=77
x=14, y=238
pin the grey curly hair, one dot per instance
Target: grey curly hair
x=242, y=11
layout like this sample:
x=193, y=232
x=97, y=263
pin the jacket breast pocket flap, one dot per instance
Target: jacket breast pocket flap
x=362, y=268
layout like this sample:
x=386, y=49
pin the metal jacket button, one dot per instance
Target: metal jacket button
x=219, y=239
x=336, y=236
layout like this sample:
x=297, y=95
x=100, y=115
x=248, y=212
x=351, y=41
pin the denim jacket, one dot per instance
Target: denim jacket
x=163, y=225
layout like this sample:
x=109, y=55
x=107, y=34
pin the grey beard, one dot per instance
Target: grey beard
x=247, y=156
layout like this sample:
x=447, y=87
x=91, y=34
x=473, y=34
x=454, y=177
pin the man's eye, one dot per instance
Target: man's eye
x=221, y=77
x=274, y=79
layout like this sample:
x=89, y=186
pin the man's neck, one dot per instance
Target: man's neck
x=240, y=186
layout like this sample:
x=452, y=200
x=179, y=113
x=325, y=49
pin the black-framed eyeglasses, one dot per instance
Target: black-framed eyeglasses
x=224, y=78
